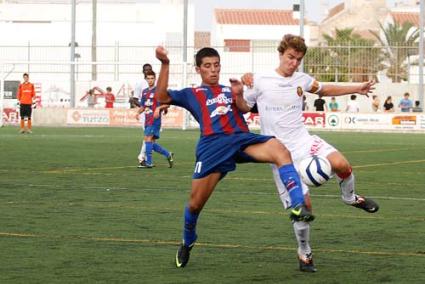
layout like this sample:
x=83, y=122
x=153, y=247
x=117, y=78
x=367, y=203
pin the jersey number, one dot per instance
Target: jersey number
x=198, y=167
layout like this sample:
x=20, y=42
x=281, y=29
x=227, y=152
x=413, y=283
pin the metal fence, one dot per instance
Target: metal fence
x=342, y=63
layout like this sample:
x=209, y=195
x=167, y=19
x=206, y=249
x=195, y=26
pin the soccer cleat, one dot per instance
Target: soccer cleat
x=22, y=131
x=366, y=204
x=306, y=264
x=143, y=165
x=301, y=213
x=183, y=255
x=170, y=160
x=29, y=131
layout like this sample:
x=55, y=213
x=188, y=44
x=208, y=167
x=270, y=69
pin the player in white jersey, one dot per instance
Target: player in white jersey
x=279, y=98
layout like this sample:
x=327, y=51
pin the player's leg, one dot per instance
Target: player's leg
x=161, y=150
x=346, y=181
x=149, y=149
x=301, y=228
x=276, y=153
x=142, y=155
x=22, y=113
x=202, y=189
x=29, y=122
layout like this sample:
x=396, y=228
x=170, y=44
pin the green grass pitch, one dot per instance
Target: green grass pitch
x=75, y=209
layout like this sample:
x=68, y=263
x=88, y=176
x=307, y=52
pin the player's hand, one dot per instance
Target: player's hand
x=165, y=109
x=367, y=87
x=236, y=86
x=162, y=55
x=248, y=80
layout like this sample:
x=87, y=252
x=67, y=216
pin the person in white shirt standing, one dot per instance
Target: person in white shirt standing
x=352, y=105
x=279, y=101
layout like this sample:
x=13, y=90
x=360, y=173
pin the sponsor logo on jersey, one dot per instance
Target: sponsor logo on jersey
x=220, y=99
x=221, y=110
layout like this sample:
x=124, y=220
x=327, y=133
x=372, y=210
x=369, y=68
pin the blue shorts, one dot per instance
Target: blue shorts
x=152, y=131
x=220, y=153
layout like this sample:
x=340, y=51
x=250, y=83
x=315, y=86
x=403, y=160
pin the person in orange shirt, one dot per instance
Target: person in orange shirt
x=109, y=98
x=26, y=94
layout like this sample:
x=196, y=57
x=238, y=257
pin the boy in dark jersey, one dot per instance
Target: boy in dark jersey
x=225, y=140
x=153, y=111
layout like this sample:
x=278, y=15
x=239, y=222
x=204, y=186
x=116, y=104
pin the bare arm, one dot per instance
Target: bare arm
x=237, y=91
x=162, y=82
x=334, y=90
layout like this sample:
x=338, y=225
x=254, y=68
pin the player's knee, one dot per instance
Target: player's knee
x=279, y=152
x=341, y=166
x=195, y=207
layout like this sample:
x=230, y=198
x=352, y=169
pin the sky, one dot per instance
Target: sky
x=314, y=11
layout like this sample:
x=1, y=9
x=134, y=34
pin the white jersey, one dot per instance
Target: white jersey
x=279, y=101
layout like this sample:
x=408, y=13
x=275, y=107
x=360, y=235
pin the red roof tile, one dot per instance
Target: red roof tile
x=402, y=17
x=254, y=17
x=335, y=10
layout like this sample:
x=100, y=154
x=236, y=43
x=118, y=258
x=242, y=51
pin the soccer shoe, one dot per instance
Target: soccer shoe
x=29, y=131
x=170, y=160
x=143, y=164
x=306, y=264
x=366, y=204
x=183, y=255
x=301, y=213
x=22, y=131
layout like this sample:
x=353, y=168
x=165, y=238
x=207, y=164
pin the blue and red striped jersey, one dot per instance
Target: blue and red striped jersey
x=213, y=108
x=150, y=103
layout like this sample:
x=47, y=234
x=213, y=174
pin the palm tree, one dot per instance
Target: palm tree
x=346, y=57
x=399, y=42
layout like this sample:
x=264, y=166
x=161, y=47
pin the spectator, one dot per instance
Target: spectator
x=375, y=103
x=352, y=105
x=405, y=104
x=91, y=98
x=388, y=105
x=417, y=108
x=333, y=105
x=320, y=104
x=109, y=98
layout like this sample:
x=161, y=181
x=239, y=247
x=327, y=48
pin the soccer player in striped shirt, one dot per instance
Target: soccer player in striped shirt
x=225, y=140
x=153, y=111
x=26, y=95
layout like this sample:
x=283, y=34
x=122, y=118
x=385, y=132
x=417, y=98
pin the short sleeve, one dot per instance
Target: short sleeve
x=180, y=97
x=312, y=85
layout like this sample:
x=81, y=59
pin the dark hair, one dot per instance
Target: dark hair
x=353, y=97
x=149, y=73
x=205, y=52
x=146, y=65
x=374, y=96
x=108, y=89
x=292, y=41
x=25, y=74
x=417, y=103
x=406, y=94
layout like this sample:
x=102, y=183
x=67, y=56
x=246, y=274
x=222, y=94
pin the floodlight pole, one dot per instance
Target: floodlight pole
x=72, y=44
x=421, y=54
x=302, y=8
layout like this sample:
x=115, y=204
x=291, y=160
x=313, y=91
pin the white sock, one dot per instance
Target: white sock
x=347, y=186
x=142, y=154
x=302, y=233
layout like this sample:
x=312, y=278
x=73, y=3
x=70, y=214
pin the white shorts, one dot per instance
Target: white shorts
x=313, y=146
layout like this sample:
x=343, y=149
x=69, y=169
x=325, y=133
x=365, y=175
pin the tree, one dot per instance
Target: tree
x=399, y=42
x=346, y=57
